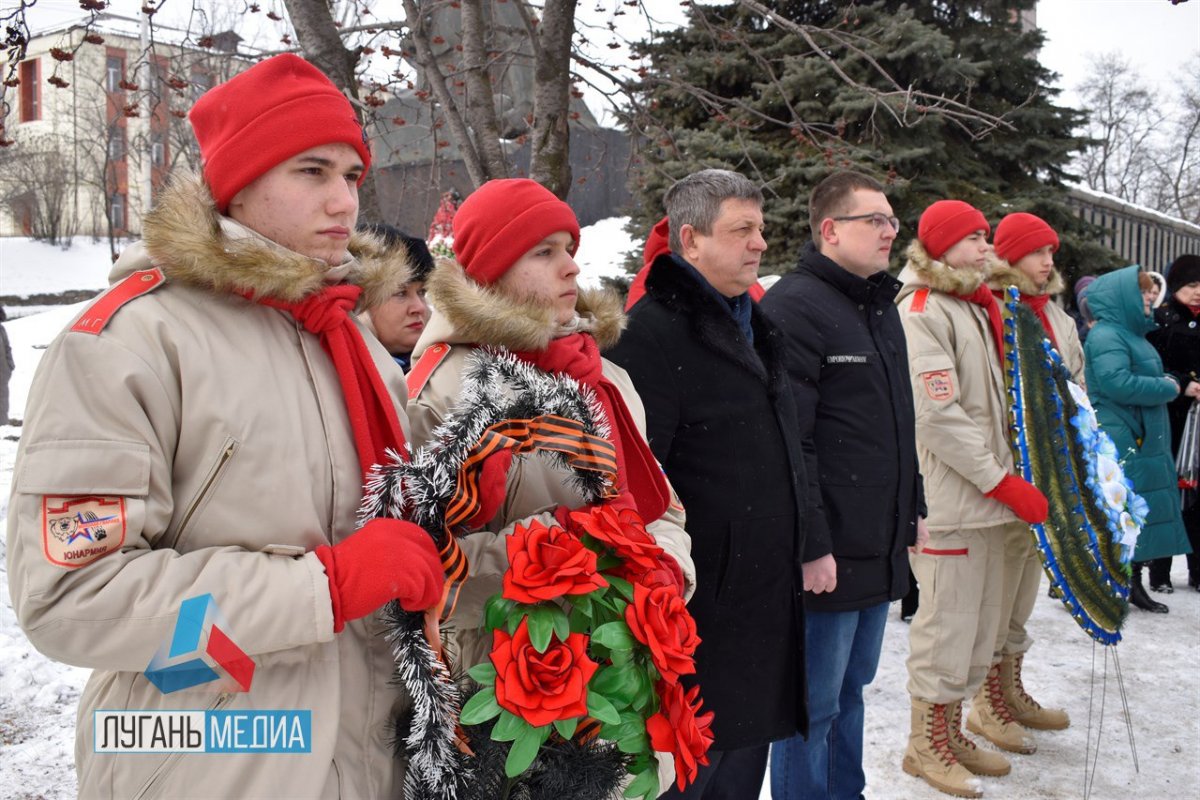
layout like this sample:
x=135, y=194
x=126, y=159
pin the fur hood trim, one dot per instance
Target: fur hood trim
x=193, y=244
x=923, y=270
x=483, y=315
x=1003, y=275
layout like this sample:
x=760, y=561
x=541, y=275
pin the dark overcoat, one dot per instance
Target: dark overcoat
x=721, y=421
x=848, y=365
x=1177, y=341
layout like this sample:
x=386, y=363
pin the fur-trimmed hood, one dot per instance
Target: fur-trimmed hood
x=193, y=244
x=1003, y=275
x=466, y=312
x=923, y=270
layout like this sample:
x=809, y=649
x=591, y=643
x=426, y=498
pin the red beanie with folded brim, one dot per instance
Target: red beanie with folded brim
x=502, y=220
x=260, y=118
x=1020, y=234
x=946, y=223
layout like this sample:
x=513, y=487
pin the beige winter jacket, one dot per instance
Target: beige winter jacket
x=958, y=393
x=465, y=314
x=1066, y=336
x=216, y=429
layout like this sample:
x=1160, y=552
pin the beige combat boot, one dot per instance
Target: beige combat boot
x=929, y=755
x=1025, y=709
x=991, y=718
x=979, y=761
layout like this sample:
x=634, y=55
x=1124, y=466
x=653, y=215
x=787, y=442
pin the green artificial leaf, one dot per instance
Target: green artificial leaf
x=480, y=708
x=483, y=674
x=540, y=629
x=508, y=727
x=620, y=656
x=582, y=603
x=580, y=622
x=495, y=612
x=562, y=625
x=621, y=585
x=607, y=561
x=566, y=727
x=619, y=683
x=524, y=749
x=634, y=743
x=599, y=708
x=614, y=635
x=644, y=785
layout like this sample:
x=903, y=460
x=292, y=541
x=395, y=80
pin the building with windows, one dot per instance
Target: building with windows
x=97, y=120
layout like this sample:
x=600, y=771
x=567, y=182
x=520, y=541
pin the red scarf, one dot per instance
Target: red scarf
x=1037, y=304
x=640, y=479
x=371, y=408
x=1195, y=310
x=983, y=297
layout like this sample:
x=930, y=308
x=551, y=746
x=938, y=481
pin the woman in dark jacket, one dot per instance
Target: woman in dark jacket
x=1177, y=340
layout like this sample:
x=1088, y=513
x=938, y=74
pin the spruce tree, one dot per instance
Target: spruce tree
x=734, y=90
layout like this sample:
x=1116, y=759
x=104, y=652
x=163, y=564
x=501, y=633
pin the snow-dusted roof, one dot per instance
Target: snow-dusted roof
x=1116, y=203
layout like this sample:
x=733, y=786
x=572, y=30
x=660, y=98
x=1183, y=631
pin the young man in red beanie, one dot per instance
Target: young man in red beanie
x=1026, y=244
x=976, y=501
x=195, y=450
x=509, y=303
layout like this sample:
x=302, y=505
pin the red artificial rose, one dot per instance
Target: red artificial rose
x=659, y=619
x=676, y=729
x=622, y=530
x=541, y=687
x=547, y=563
x=666, y=572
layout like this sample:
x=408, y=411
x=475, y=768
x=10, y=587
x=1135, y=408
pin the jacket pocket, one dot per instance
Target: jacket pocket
x=204, y=493
x=859, y=496
x=169, y=763
x=757, y=562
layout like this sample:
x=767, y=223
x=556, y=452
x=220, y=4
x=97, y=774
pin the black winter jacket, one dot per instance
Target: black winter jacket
x=721, y=421
x=1177, y=340
x=848, y=364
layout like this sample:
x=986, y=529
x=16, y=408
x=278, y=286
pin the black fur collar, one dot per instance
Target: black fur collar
x=714, y=327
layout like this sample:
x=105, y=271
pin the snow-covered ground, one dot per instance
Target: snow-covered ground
x=1160, y=656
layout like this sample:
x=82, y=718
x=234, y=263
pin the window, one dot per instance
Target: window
x=116, y=213
x=158, y=149
x=31, y=91
x=116, y=143
x=201, y=83
x=114, y=73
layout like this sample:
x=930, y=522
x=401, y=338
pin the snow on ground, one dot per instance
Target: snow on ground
x=1159, y=656
x=28, y=267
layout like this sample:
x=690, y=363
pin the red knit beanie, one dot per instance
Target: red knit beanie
x=1020, y=234
x=262, y=117
x=500, y=221
x=946, y=223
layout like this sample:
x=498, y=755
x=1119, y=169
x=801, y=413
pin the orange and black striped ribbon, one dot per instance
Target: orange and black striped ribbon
x=547, y=432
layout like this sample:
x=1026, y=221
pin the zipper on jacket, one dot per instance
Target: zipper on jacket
x=172, y=760
x=227, y=450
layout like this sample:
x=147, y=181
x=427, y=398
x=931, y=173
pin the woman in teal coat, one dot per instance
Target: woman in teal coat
x=1130, y=391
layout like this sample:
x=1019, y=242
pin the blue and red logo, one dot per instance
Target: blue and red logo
x=184, y=663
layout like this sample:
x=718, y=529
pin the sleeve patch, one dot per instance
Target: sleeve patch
x=79, y=530
x=938, y=385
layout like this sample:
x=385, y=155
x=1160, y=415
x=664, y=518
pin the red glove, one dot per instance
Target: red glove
x=1025, y=499
x=386, y=559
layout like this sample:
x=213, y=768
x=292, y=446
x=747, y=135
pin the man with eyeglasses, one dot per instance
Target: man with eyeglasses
x=848, y=368
x=976, y=501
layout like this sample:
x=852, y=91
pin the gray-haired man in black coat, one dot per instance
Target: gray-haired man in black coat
x=721, y=420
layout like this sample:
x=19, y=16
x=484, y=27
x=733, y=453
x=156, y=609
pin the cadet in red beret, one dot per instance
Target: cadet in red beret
x=196, y=446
